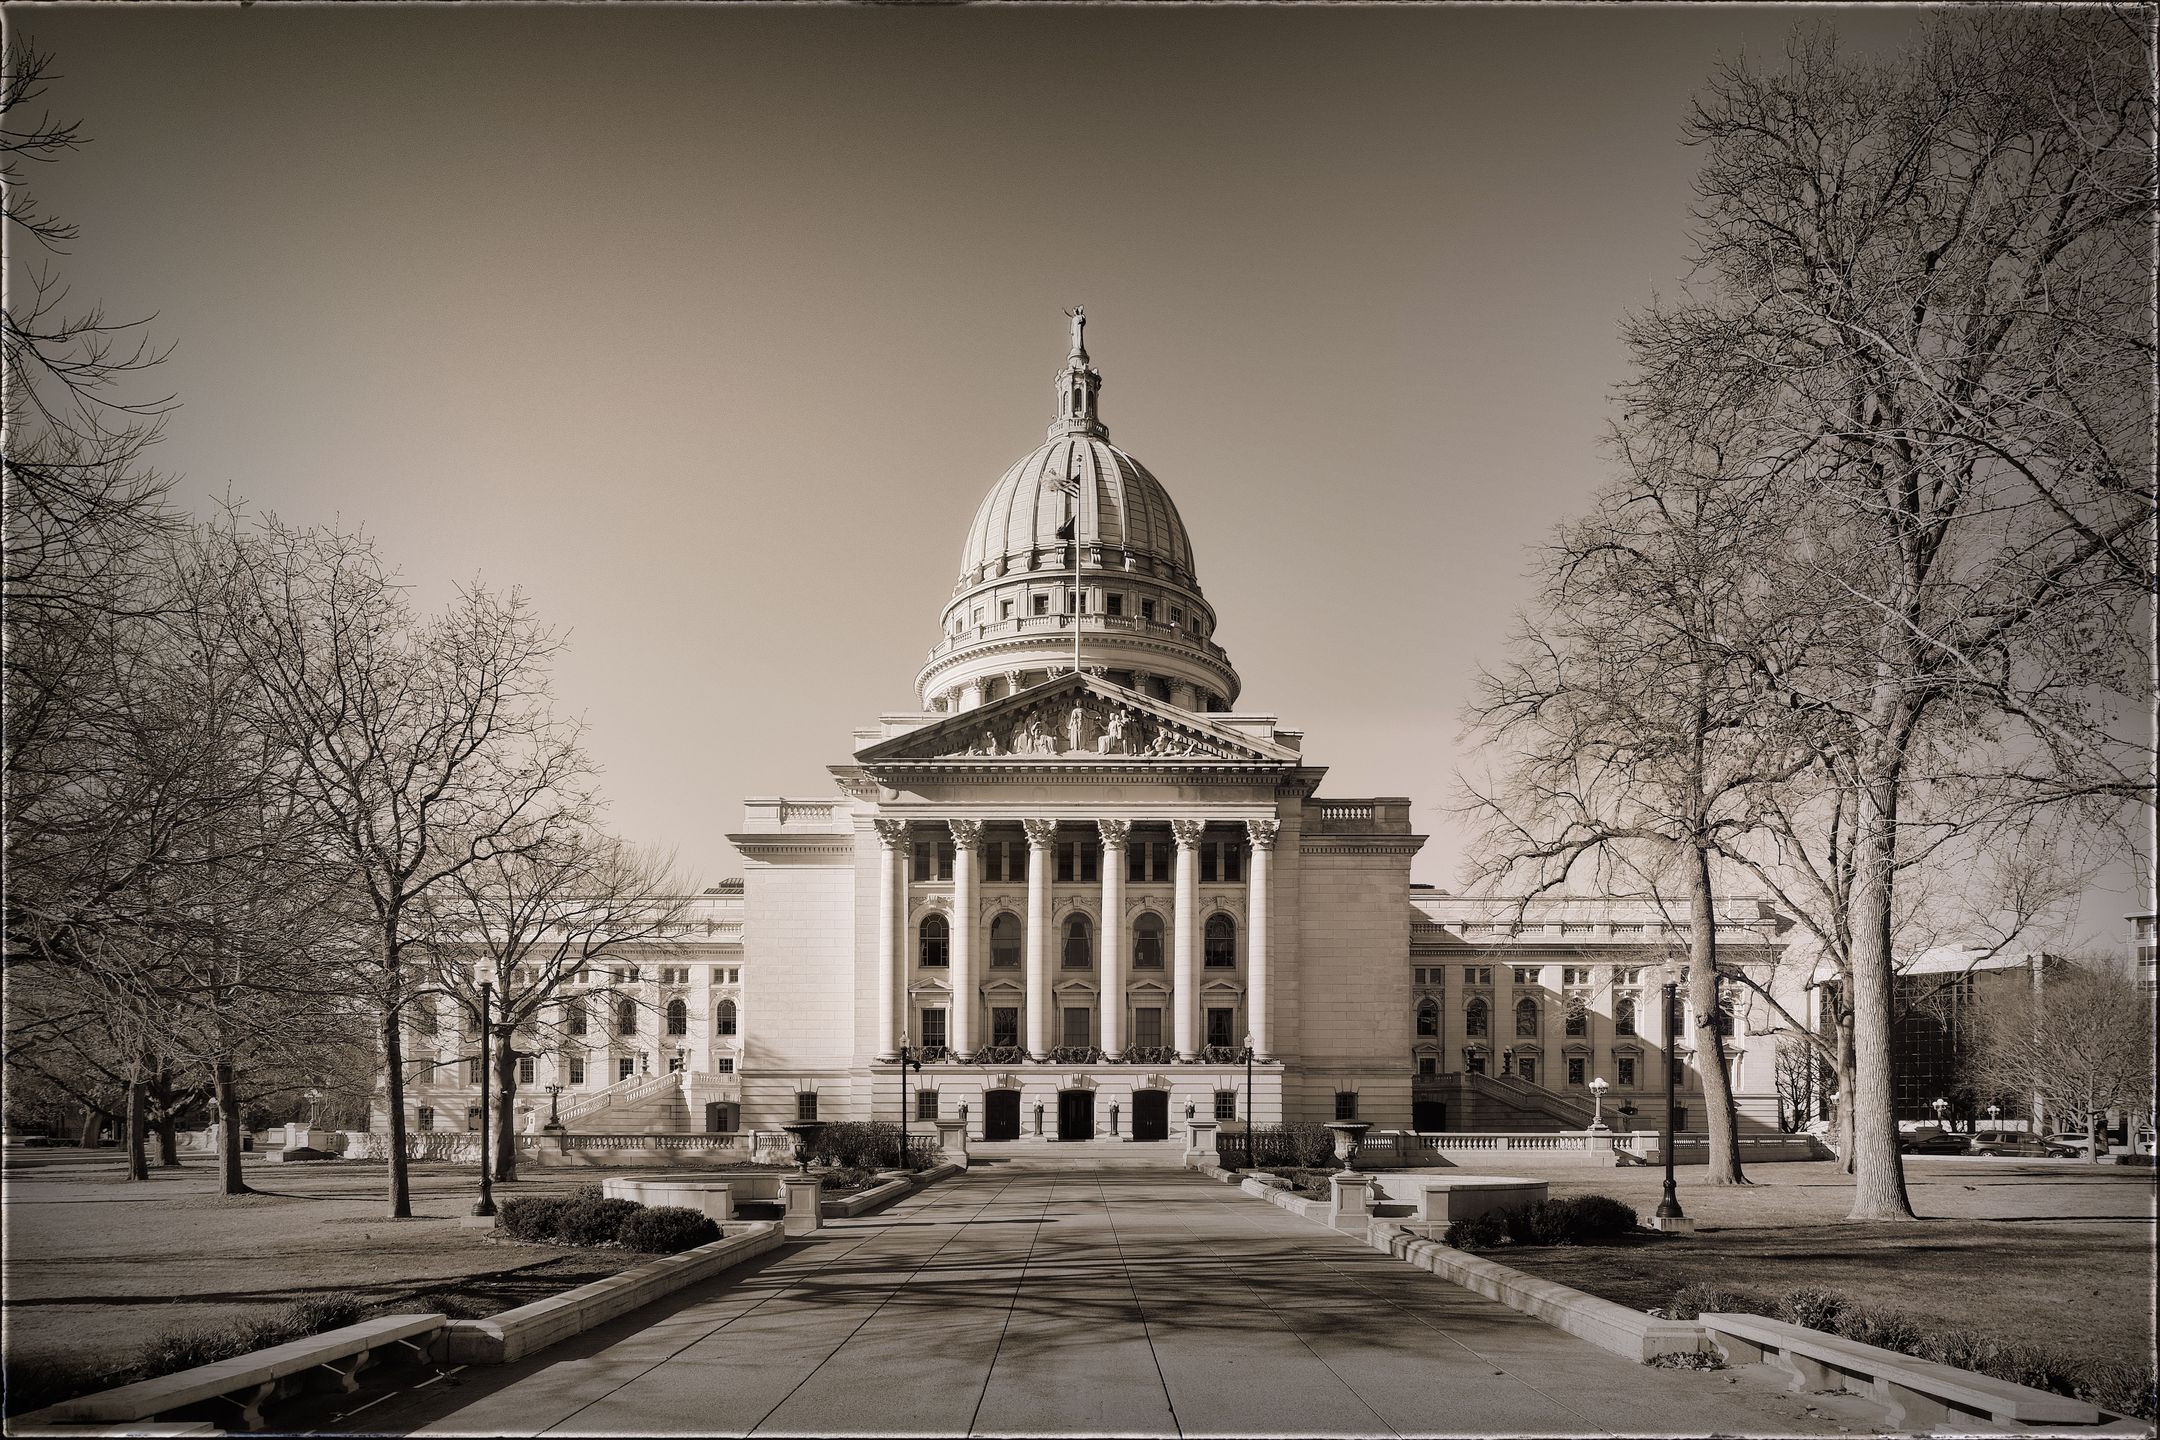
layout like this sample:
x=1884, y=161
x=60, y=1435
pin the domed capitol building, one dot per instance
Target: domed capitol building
x=1078, y=883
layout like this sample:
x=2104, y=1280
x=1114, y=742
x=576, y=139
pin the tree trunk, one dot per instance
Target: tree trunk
x=168, y=1141
x=1878, y=1169
x=93, y=1125
x=1846, y=1069
x=394, y=1101
x=505, y=1137
x=1722, y=1122
x=138, y=1155
x=230, y=1134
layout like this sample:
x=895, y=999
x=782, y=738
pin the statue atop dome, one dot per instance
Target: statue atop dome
x=1078, y=316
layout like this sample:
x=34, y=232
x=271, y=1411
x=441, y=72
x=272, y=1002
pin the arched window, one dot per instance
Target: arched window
x=626, y=1016
x=1079, y=943
x=1526, y=1016
x=1147, y=942
x=1219, y=941
x=678, y=1018
x=1623, y=1015
x=935, y=935
x=1005, y=941
x=1474, y=1017
x=1428, y=1018
x=724, y=1018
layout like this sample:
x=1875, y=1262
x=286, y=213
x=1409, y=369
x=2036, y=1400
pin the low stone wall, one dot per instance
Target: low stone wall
x=710, y=1198
x=514, y=1334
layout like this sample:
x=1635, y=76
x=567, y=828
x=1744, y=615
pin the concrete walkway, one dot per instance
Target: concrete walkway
x=1031, y=1297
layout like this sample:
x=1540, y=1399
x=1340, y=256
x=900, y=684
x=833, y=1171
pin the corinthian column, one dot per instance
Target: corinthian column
x=1185, y=974
x=1113, y=833
x=1041, y=835
x=966, y=836
x=1263, y=834
x=892, y=834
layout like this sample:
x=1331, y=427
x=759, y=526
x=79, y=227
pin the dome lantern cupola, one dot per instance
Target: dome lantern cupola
x=1142, y=620
x=1078, y=384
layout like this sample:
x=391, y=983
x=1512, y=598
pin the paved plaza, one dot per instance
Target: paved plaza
x=1040, y=1294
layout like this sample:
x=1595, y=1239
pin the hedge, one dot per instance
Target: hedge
x=666, y=1230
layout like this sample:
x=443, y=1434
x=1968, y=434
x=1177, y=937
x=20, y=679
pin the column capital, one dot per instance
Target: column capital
x=1187, y=833
x=1041, y=834
x=966, y=834
x=891, y=833
x=1113, y=833
x=1263, y=833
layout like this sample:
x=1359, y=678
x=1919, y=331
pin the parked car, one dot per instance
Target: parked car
x=2008, y=1142
x=1932, y=1142
x=2072, y=1145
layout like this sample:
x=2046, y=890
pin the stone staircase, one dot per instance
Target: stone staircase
x=641, y=1105
x=1504, y=1103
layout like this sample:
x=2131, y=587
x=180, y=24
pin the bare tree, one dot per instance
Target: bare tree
x=2081, y=1042
x=1929, y=277
x=1632, y=717
x=534, y=921
x=422, y=749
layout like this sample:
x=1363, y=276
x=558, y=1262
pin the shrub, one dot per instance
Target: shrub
x=1482, y=1232
x=535, y=1217
x=857, y=1144
x=1880, y=1325
x=594, y=1222
x=1699, y=1298
x=667, y=1230
x=324, y=1312
x=1569, y=1221
x=1816, y=1309
x=1304, y=1146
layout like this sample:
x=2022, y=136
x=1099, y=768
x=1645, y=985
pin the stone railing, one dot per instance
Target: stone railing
x=1219, y=1055
x=1075, y=1055
x=630, y=1091
x=695, y=1141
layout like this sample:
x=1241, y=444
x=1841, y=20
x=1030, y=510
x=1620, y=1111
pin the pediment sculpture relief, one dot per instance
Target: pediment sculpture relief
x=1091, y=726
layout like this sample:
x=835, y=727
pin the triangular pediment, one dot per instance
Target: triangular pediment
x=1076, y=719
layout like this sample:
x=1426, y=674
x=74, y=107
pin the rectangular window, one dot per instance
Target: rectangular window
x=1574, y=1071
x=1042, y=605
x=1525, y=975
x=1226, y=1104
x=933, y=1028
x=472, y=1071
x=1147, y=1027
x=1481, y=975
x=806, y=1104
x=425, y=1021
x=1578, y=1016
x=1114, y=603
x=724, y=1065
x=1627, y=1071
x=1177, y=615
x=574, y=1016
x=675, y=1063
x=426, y=1120
x=926, y=1105
x=1419, y=974
x=1076, y=1025
x=1005, y=1025
x=1576, y=975
x=1426, y=1065
x=625, y=1067
x=1147, y=609
x=1208, y=874
x=1218, y=1025
x=1233, y=862
x=1004, y=609
x=526, y=1073
x=1679, y=1117
x=1527, y=1068
x=1065, y=861
x=1346, y=1104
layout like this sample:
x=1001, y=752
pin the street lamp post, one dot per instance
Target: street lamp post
x=1249, y=1160
x=1938, y=1106
x=1994, y=1114
x=485, y=1205
x=1597, y=1102
x=1669, y=1207
x=907, y=1058
x=554, y=1107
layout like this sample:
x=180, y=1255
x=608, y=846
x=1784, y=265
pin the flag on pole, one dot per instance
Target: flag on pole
x=1069, y=487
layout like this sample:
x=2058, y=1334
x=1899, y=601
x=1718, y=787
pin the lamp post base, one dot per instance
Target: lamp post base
x=1673, y=1224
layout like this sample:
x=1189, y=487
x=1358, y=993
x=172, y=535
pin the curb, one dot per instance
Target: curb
x=1604, y=1323
x=514, y=1334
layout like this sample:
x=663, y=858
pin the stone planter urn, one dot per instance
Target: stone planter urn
x=803, y=1131
x=1349, y=1137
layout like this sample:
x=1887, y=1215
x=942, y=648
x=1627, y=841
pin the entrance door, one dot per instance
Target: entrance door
x=1001, y=1115
x=722, y=1117
x=1151, y=1115
x=1428, y=1114
x=1076, y=1114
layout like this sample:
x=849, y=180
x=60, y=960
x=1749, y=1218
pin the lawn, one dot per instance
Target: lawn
x=97, y=1266
x=2052, y=1253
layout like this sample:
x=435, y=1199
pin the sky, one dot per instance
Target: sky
x=709, y=327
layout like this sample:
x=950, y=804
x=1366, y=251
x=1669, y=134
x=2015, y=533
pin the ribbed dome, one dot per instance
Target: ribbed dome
x=1123, y=509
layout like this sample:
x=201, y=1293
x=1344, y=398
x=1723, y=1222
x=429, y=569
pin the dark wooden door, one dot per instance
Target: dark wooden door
x=1428, y=1114
x=1001, y=1115
x=1076, y=1114
x=1151, y=1115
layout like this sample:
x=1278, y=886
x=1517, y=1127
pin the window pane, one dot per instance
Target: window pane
x=1005, y=1025
x=1076, y=1025
x=926, y=1105
x=1226, y=1104
x=933, y=1027
x=1147, y=1027
x=1147, y=943
x=1346, y=1104
x=1220, y=941
x=1218, y=1026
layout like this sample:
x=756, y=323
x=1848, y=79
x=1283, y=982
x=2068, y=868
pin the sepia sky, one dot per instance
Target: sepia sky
x=711, y=326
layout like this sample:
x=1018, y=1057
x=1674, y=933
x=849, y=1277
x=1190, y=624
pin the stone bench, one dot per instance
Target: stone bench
x=1919, y=1394
x=1448, y=1200
x=250, y=1381
x=710, y=1198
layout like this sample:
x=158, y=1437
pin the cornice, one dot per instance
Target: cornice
x=771, y=847
x=1360, y=844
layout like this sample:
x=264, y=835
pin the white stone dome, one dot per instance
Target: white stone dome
x=1124, y=511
